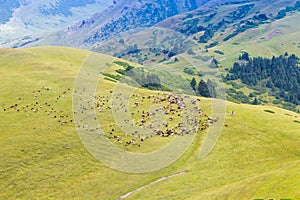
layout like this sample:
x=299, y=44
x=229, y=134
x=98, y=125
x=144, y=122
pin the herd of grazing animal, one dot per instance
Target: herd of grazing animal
x=37, y=104
x=178, y=119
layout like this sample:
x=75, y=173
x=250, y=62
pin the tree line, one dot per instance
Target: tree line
x=281, y=75
x=205, y=89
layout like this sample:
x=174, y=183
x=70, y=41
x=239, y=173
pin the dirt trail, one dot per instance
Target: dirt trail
x=154, y=182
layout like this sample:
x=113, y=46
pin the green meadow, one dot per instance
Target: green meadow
x=268, y=40
x=42, y=156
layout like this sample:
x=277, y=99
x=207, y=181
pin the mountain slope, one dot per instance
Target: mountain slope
x=257, y=155
x=125, y=16
x=223, y=32
x=29, y=20
x=133, y=16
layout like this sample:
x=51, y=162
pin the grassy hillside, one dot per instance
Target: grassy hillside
x=42, y=157
x=267, y=40
x=178, y=42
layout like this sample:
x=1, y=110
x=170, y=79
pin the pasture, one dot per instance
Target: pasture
x=42, y=156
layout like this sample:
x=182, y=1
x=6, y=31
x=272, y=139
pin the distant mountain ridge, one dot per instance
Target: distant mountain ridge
x=213, y=23
x=126, y=15
x=93, y=22
x=25, y=19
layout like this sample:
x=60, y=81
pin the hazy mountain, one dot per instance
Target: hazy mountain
x=136, y=15
x=209, y=25
x=190, y=17
x=126, y=15
x=23, y=19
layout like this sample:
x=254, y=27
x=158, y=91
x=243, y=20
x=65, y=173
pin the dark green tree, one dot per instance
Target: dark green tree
x=203, y=89
x=244, y=56
x=255, y=102
x=214, y=63
x=208, y=34
x=193, y=83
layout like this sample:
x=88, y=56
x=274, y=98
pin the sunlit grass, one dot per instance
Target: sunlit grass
x=257, y=155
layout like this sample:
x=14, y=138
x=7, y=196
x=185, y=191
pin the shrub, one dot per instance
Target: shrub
x=219, y=52
x=269, y=111
x=112, y=76
x=105, y=78
x=188, y=71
